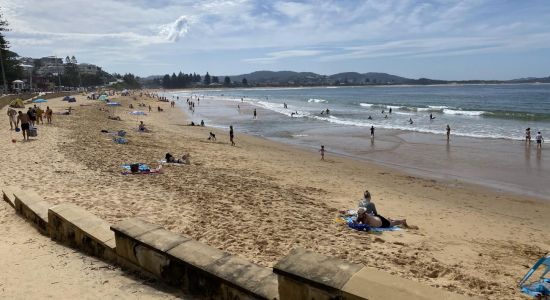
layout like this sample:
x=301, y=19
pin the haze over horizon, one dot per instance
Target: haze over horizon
x=439, y=39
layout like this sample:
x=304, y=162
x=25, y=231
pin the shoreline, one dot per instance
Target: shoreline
x=395, y=148
x=260, y=199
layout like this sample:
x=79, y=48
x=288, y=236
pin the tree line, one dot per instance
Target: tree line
x=182, y=80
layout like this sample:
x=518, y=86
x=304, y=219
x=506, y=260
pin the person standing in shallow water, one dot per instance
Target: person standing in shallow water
x=528, y=135
x=255, y=114
x=372, y=131
x=231, y=135
x=539, y=140
x=448, y=132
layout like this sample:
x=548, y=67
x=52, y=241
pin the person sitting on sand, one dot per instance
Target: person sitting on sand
x=131, y=106
x=142, y=126
x=367, y=214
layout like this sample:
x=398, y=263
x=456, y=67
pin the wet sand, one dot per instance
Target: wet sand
x=260, y=199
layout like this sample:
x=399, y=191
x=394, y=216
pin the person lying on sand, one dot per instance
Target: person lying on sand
x=117, y=118
x=183, y=160
x=367, y=214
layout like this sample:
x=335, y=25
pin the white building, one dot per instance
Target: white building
x=18, y=85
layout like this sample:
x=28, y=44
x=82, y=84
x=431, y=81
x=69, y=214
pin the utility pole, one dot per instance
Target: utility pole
x=5, y=89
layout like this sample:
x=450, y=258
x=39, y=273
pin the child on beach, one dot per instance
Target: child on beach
x=528, y=135
x=539, y=140
x=322, y=150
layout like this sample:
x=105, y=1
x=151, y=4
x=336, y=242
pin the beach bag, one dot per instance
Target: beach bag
x=33, y=132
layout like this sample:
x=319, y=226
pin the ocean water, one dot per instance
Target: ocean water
x=481, y=111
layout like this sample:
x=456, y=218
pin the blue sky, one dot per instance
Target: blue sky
x=443, y=39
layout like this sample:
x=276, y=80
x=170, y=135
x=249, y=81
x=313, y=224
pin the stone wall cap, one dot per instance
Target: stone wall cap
x=196, y=253
x=304, y=265
x=9, y=194
x=162, y=239
x=27, y=196
x=246, y=275
x=134, y=227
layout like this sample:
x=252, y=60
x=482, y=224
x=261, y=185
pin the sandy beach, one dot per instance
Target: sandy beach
x=260, y=199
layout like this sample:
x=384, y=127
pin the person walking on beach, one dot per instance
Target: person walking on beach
x=39, y=113
x=31, y=113
x=322, y=150
x=12, y=115
x=539, y=140
x=390, y=110
x=255, y=114
x=25, y=124
x=231, y=135
x=528, y=135
x=448, y=132
x=372, y=132
x=49, y=113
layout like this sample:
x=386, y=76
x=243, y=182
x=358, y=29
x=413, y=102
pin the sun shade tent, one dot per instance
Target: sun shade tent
x=541, y=287
x=17, y=103
x=103, y=98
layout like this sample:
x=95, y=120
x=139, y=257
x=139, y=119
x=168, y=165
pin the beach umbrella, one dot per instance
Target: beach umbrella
x=39, y=101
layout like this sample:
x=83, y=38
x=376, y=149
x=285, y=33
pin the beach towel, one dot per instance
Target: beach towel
x=349, y=217
x=540, y=287
x=139, y=168
x=163, y=161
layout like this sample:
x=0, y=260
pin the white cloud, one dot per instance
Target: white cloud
x=176, y=30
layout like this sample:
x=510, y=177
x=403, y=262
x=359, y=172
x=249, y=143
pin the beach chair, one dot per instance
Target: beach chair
x=539, y=289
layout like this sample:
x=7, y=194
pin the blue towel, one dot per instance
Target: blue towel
x=142, y=167
x=537, y=289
